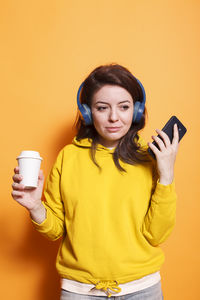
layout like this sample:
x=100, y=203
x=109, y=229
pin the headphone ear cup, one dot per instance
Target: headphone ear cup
x=135, y=112
x=138, y=111
x=84, y=108
x=86, y=114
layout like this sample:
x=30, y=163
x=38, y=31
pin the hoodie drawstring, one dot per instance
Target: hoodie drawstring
x=109, y=287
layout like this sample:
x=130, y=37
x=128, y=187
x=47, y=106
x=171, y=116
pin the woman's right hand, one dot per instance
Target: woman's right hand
x=29, y=198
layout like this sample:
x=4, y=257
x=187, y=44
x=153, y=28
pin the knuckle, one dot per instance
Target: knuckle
x=170, y=150
x=15, y=186
x=13, y=194
x=173, y=148
x=15, y=177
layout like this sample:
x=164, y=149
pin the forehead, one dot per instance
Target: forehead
x=111, y=93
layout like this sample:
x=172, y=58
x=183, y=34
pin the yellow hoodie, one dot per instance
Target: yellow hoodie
x=111, y=222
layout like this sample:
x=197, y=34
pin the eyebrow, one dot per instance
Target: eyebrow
x=109, y=103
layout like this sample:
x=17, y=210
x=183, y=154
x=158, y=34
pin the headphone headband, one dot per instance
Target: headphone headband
x=143, y=91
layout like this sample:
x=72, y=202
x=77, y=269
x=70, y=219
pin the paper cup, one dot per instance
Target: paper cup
x=29, y=167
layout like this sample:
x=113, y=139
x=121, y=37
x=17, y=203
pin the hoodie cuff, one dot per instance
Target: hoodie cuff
x=163, y=192
x=45, y=224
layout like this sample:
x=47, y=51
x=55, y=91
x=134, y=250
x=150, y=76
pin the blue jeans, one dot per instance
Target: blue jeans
x=152, y=293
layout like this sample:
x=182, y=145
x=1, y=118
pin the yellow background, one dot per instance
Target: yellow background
x=47, y=49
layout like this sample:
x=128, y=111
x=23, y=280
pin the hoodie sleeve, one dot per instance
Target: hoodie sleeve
x=53, y=226
x=160, y=217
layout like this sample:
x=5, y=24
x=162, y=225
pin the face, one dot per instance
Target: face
x=112, y=112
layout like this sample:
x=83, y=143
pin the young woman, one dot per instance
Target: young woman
x=111, y=203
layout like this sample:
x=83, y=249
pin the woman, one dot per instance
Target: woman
x=109, y=201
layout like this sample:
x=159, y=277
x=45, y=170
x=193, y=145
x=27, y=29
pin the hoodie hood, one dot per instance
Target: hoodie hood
x=86, y=143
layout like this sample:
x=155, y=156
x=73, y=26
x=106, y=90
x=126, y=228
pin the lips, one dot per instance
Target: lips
x=113, y=129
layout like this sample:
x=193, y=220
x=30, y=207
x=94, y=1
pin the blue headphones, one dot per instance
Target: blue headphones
x=138, y=107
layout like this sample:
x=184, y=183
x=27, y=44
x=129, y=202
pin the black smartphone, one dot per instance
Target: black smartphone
x=169, y=130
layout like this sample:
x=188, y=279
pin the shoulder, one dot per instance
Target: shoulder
x=70, y=148
x=66, y=152
x=73, y=149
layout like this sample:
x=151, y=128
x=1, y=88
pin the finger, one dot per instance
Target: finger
x=164, y=137
x=17, y=187
x=154, y=149
x=176, y=135
x=16, y=170
x=17, y=194
x=17, y=178
x=159, y=142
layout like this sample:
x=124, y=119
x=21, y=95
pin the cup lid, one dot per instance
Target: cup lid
x=29, y=154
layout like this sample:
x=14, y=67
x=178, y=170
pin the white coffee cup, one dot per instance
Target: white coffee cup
x=29, y=167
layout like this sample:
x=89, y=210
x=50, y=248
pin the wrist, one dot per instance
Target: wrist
x=165, y=180
x=38, y=213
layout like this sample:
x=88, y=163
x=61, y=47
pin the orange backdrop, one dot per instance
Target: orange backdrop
x=47, y=49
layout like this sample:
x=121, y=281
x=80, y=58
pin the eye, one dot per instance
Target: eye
x=101, y=108
x=124, y=107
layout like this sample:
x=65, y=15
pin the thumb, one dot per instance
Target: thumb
x=41, y=175
x=40, y=179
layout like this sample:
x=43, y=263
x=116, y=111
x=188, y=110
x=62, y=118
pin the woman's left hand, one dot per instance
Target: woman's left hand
x=165, y=155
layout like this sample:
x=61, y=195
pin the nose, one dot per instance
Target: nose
x=113, y=116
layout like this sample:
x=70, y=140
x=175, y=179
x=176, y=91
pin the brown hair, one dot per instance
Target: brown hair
x=128, y=150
